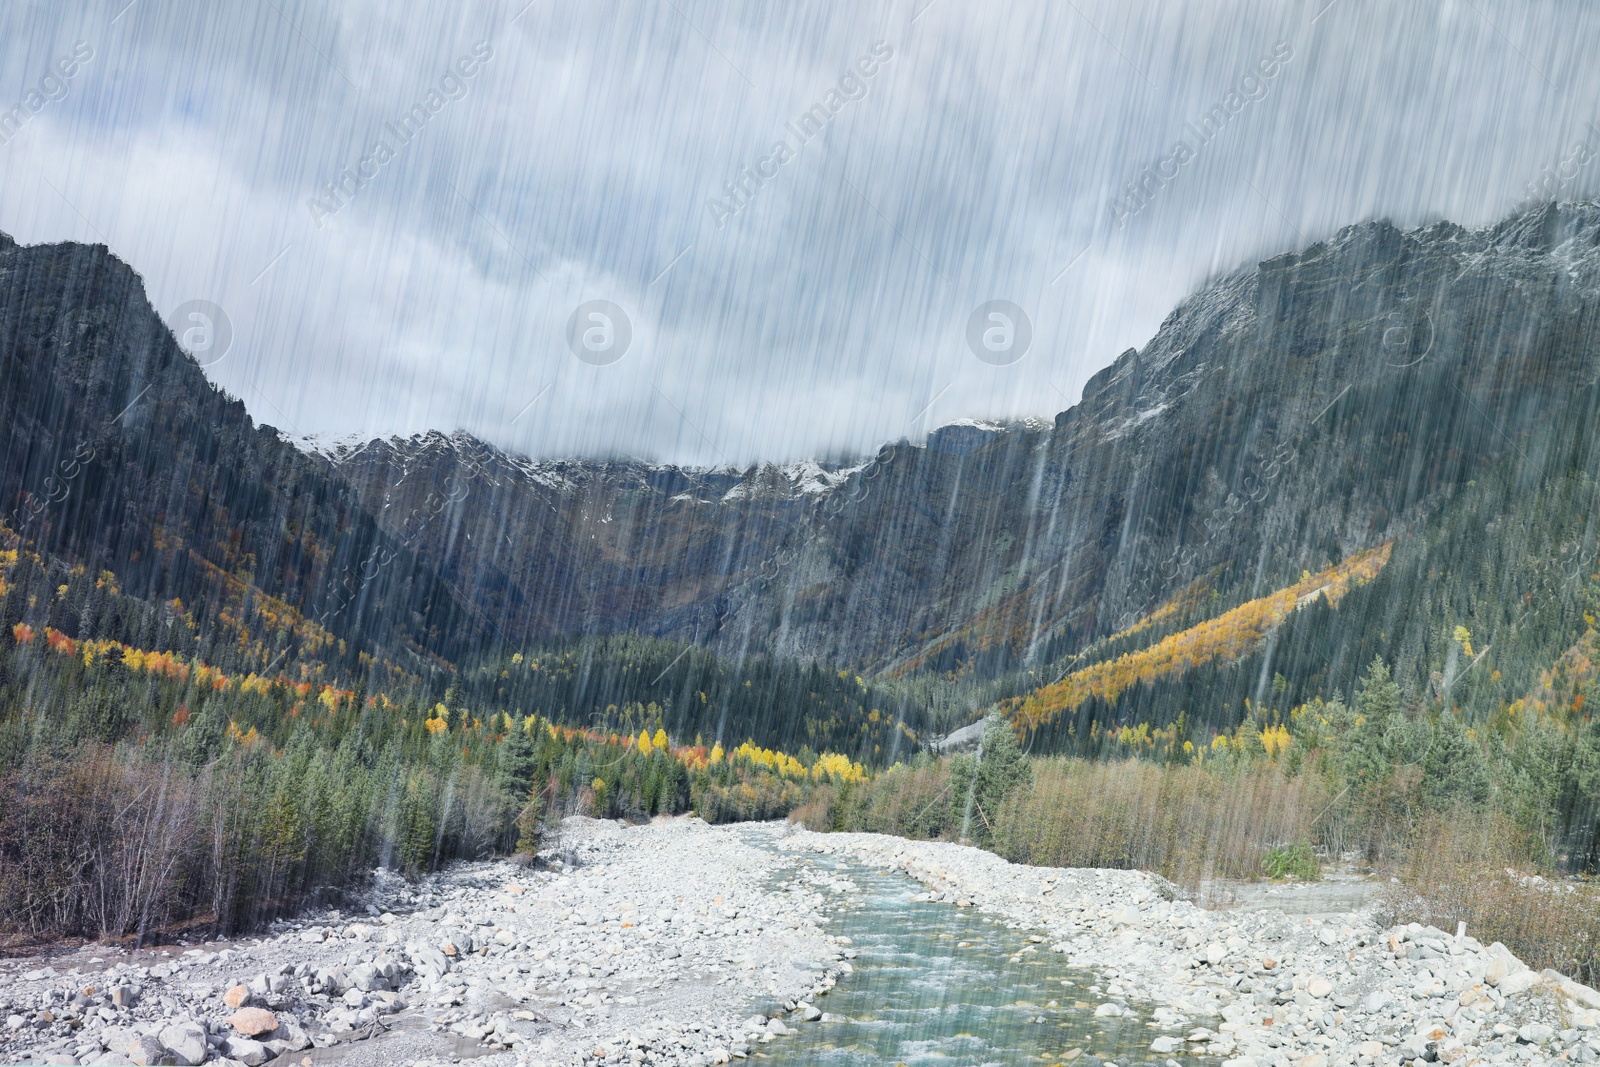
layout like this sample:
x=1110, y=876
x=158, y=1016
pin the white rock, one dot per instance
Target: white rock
x=187, y=1042
x=246, y=1051
x=1520, y=982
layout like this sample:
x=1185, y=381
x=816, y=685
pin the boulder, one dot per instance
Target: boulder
x=146, y=1051
x=367, y=977
x=290, y=1036
x=187, y=1043
x=237, y=997
x=1572, y=990
x=246, y=1051
x=1520, y=982
x=1535, y=1034
x=253, y=1021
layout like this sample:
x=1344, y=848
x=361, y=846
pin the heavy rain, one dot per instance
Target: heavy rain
x=906, y=533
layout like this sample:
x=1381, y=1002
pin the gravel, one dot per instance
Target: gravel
x=649, y=944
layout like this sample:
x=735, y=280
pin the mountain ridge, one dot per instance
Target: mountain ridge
x=1283, y=418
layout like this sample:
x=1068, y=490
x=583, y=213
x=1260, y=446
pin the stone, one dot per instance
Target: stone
x=146, y=1051
x=123, y=996
x=1166, y=1046
x=186, y=1042
x=1535, y=1034
x=290, y=1036
x=809, y=1013
x=1376, y=1001
x=1316, y=1059
x=253, y=1021
x=246, y=1051
x=237, y=997
x=1109, y=1010
x=1319, y=987
x=366, y=977
x=1572, y=990
x=1371, y=1050
x=1215, y=953
x=312, y=936
x=1520, y=982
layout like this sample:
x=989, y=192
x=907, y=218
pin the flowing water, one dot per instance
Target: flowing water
x=940, y=985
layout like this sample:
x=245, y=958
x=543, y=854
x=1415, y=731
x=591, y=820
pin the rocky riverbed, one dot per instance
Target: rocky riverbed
x=1259, y=988
x=672, y=943
x=678, y=943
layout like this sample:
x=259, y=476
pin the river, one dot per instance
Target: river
x=942, y=986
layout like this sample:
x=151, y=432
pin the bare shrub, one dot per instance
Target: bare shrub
x=1482, y=870
x=1186, y=823
x=98, y=844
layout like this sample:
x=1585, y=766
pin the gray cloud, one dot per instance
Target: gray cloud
x=979, y=163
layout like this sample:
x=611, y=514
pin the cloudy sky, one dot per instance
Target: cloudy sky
x=505, y=165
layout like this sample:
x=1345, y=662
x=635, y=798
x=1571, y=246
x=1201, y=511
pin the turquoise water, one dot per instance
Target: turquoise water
x=941, y=986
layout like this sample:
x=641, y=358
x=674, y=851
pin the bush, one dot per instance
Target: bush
x=1292, y=861
x=1484, y=871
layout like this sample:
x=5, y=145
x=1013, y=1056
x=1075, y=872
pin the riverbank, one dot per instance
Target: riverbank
x=1258, y=988
x=684, y=945
x=655, y=944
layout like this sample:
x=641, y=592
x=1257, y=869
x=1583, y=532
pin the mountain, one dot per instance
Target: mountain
x=1286, y=416
x=1430, y=390
x=118, y=455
